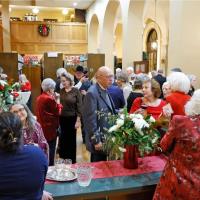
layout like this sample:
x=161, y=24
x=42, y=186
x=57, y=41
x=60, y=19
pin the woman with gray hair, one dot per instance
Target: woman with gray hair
x=32, y=131
x=181, y=171
x=48, y=109
x=180, y=85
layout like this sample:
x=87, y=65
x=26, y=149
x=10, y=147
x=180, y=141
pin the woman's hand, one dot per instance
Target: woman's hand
x=77, y=124
x=141, y=111
x=47, y=196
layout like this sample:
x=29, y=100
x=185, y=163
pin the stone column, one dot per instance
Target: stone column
x=6, y=26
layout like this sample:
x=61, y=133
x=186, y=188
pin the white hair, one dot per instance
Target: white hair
x=166, y=83
x=61, y=71
x=191, y=77
x=118, y=70
x=22, y=78
x=130, y=68
x=48, y=84
x=192, y=107
x=179, y=82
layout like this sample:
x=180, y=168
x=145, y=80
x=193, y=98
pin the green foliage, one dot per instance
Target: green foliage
x=131, y=129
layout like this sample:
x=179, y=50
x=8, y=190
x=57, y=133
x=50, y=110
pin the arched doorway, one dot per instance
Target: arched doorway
x=152, y=37
x=152, y=48
x=93, y=36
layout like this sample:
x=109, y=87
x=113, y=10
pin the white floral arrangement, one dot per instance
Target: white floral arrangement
x=131, y=129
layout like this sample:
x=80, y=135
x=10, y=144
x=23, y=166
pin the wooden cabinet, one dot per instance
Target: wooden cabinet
x=9, y=63
x=51, y=64
x=94, y=62
x=1, y=37
x=34, y=75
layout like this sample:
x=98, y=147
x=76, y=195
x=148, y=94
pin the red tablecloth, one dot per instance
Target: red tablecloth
x=106, y=169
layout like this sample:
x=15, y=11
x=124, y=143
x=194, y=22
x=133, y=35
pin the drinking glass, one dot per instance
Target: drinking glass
x=68, y=163
x=59, y=165
x=84, y=175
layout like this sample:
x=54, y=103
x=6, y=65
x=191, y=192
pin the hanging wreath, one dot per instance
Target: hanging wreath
x=43, y=30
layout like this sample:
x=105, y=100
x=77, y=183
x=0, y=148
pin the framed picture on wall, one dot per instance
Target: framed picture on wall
x=141, y=66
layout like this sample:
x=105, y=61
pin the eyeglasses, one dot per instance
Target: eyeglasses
x=18, y=111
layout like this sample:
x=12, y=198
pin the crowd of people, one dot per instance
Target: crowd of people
x=73, y=101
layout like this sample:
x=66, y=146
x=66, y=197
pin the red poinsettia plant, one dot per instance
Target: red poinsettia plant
x=8, y=94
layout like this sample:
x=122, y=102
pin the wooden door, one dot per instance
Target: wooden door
x=33, y=74
x=94, y=62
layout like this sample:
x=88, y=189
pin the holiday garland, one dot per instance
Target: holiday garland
x=44, y=29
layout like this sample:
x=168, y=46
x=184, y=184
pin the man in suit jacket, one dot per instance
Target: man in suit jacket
x=97, y=100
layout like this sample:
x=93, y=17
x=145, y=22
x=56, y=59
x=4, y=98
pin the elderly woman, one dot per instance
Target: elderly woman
x=166, y=88
x=180, y=179
x=59, y=72
x=71, y=100
x=180, y=85
x=16, y=179
x=32, y=131
x=123, y=83
x=150, y=103
x=137, y=92
x=193, y=80
x=48, y=109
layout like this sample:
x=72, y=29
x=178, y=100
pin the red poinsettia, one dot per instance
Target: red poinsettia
x=1, y=87
x=15, y=94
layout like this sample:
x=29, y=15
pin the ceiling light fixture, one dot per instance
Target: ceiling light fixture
x=75, y=4
x=65, y=11
x=35, y=10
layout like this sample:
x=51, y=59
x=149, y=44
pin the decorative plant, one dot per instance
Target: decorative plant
x=131, y=129
x=43, y=29
x=7, y=95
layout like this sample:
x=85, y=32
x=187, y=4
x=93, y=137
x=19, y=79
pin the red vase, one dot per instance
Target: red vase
x=130, y=157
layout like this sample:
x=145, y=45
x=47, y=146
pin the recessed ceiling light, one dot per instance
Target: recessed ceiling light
x=75, y=4
x=65, y=11
x=35, y=10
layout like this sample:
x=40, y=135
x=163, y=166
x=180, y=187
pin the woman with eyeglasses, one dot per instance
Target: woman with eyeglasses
x=23, y=168
x=31, y=129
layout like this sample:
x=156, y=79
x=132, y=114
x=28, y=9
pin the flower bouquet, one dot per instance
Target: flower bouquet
x=130, y=130
x=8, y=95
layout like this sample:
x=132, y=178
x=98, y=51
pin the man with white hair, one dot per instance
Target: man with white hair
x=97, y=100
x=130, y=73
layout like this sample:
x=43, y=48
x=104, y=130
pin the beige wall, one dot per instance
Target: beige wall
x=118, y=41
x=184, y=37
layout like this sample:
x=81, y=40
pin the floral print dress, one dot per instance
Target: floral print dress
x=181, y=177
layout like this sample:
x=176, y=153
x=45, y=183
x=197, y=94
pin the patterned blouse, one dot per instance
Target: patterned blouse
x=36, y=136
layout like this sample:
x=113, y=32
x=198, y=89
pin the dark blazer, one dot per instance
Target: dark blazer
x=94, y=123
x=117, y=96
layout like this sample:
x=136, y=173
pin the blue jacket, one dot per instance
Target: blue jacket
x=94, y=122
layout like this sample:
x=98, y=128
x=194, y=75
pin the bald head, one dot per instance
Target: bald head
x=104, y=76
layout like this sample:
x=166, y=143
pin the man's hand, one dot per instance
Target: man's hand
x=98, y=146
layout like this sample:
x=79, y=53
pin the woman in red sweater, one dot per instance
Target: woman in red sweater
x=150, y=103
